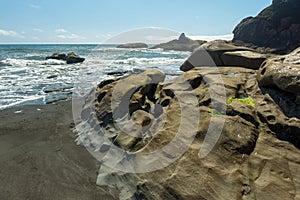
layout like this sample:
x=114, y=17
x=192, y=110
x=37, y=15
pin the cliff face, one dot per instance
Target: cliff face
x=277, y=27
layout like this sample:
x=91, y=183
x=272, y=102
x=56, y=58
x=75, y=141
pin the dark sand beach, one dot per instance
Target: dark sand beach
x=39, y=158
x=186, y=119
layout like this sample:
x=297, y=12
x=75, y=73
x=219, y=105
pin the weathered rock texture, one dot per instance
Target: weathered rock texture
x=277, y=27
x=280, y=77
x=257, y=155
x=223, y=53
x=282, y=72
x=182, y=44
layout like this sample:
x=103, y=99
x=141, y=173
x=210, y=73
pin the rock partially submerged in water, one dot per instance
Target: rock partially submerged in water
x=70, y=58
x=57, y=56
x=183, y=43
x=73, y=58
x=138, y=45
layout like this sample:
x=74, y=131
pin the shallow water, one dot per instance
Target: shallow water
x=27, y=78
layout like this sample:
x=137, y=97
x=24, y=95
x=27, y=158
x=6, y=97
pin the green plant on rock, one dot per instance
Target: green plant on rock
x=214, y=112
x=247, y=101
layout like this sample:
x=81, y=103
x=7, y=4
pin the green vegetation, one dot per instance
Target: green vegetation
x=214, y=112
x=247, y=101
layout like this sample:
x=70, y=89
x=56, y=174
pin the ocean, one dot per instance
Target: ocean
x=26, y=78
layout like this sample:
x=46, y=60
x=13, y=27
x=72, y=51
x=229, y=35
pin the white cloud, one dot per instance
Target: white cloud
x=35, y=6
x=10, y=33
x=38, y=30
x=64, y=34
x=70, y=36
x=61, y=30
x=212, y=37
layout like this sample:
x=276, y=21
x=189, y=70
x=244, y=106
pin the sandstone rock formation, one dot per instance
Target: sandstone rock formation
x=223, y=53
x=133, y=45
x=247, y=59
x=225, y=132
x=281, y=75
x=256, y=155
x=71, y=58
x=282, y=72
x=182, y=44
x=276, y=27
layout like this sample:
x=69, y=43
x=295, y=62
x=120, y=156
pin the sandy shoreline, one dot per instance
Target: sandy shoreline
x=39, y=158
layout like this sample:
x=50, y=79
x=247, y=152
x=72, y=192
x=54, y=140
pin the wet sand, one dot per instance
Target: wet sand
x=39, y=158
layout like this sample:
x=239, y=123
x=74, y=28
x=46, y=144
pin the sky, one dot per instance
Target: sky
x=95, y=21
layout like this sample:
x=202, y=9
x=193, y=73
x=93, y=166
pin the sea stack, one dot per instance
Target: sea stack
x=183, y=43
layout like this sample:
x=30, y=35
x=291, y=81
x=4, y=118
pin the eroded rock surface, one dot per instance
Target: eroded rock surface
x=223, y=53
x=282, y=72
x=256, y=155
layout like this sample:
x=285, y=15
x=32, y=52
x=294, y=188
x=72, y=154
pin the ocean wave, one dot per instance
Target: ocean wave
x=25, y=62
x=145, y=61
x=34, y=57
x=17, y=102
x=27, y=78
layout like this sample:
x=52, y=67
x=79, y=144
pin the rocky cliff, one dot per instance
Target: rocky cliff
x=277, y=27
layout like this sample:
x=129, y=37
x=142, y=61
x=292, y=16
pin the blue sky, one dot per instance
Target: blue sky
x=94, y=21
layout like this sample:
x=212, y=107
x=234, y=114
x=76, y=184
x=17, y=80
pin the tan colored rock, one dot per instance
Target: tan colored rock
x=256, y=156
x=282, y=72
x=247, y=59
x=210, y=54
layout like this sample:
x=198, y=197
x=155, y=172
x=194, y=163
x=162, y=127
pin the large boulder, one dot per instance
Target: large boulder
x=247, y=59
x=256, y=155
x=183, y=43
x=57, y=56
x=223, y=53
x=282, y=72
x=133, y=46
x=276, y=27
x=70, y=58
x=73, y=58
